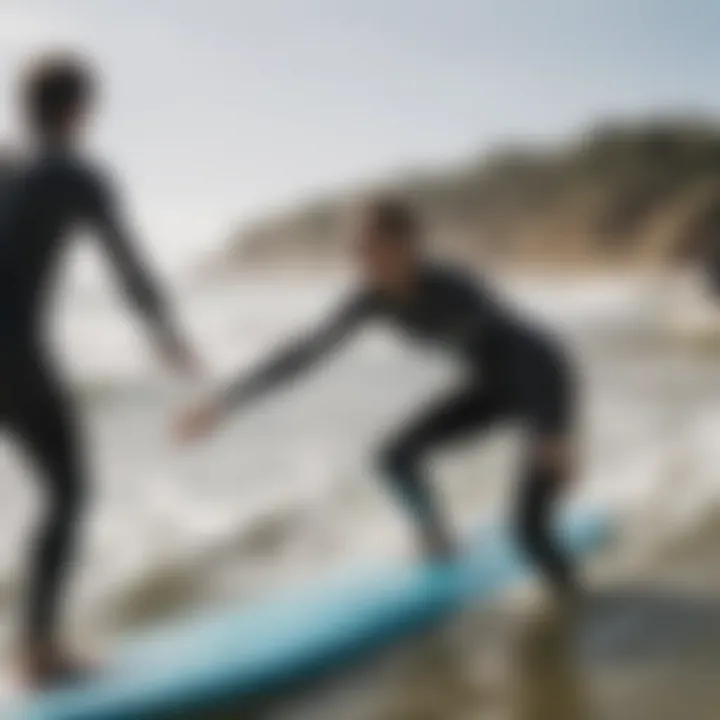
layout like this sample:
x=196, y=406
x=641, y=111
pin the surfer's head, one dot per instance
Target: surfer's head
x=58, y=92
x=388, y=240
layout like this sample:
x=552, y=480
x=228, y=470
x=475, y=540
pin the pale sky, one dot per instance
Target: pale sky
x=219, y=109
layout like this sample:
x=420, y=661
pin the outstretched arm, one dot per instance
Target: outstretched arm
x=282, y=366
x=295, y=357
x=138, y=282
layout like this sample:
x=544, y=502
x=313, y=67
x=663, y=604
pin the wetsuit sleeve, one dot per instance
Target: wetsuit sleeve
x=301, y=354
x=107, y=219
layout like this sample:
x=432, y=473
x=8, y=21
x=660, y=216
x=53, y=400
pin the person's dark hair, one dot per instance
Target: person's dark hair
x=54, y=88
x=394, y=217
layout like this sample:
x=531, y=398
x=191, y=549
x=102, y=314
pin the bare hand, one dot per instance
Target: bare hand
x=184, y=361
x=196, y=423
x=180, y=358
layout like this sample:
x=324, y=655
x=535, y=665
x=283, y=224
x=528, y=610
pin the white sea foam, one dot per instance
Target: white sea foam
x=289, y=490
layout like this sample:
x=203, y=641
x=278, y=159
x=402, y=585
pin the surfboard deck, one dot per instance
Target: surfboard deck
x=235, y=655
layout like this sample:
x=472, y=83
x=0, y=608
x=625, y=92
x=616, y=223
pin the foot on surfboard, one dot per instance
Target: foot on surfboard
x=438, y=546
x=47, y=669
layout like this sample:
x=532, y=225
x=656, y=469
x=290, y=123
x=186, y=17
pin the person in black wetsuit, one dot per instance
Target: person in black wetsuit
x=514, y=372
x=46, y=194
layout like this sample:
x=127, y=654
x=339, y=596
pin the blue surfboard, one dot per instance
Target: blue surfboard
x=235, y=655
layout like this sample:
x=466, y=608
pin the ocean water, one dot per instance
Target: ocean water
x=287, y=491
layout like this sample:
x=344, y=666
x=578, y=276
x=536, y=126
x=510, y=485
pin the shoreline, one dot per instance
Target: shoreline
x=533, y=272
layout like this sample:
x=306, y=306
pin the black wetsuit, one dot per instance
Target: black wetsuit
x=514, y=372
x=43, y=199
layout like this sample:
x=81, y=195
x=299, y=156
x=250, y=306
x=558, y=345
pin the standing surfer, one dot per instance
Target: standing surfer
x=515, y=372
x=44, y=196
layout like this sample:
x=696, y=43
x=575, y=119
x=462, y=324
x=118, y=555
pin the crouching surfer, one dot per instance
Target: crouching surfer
x=515, y=372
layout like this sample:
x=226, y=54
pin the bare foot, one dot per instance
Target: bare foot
x=439, y=546
x=42, y=669
x=560, y=605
